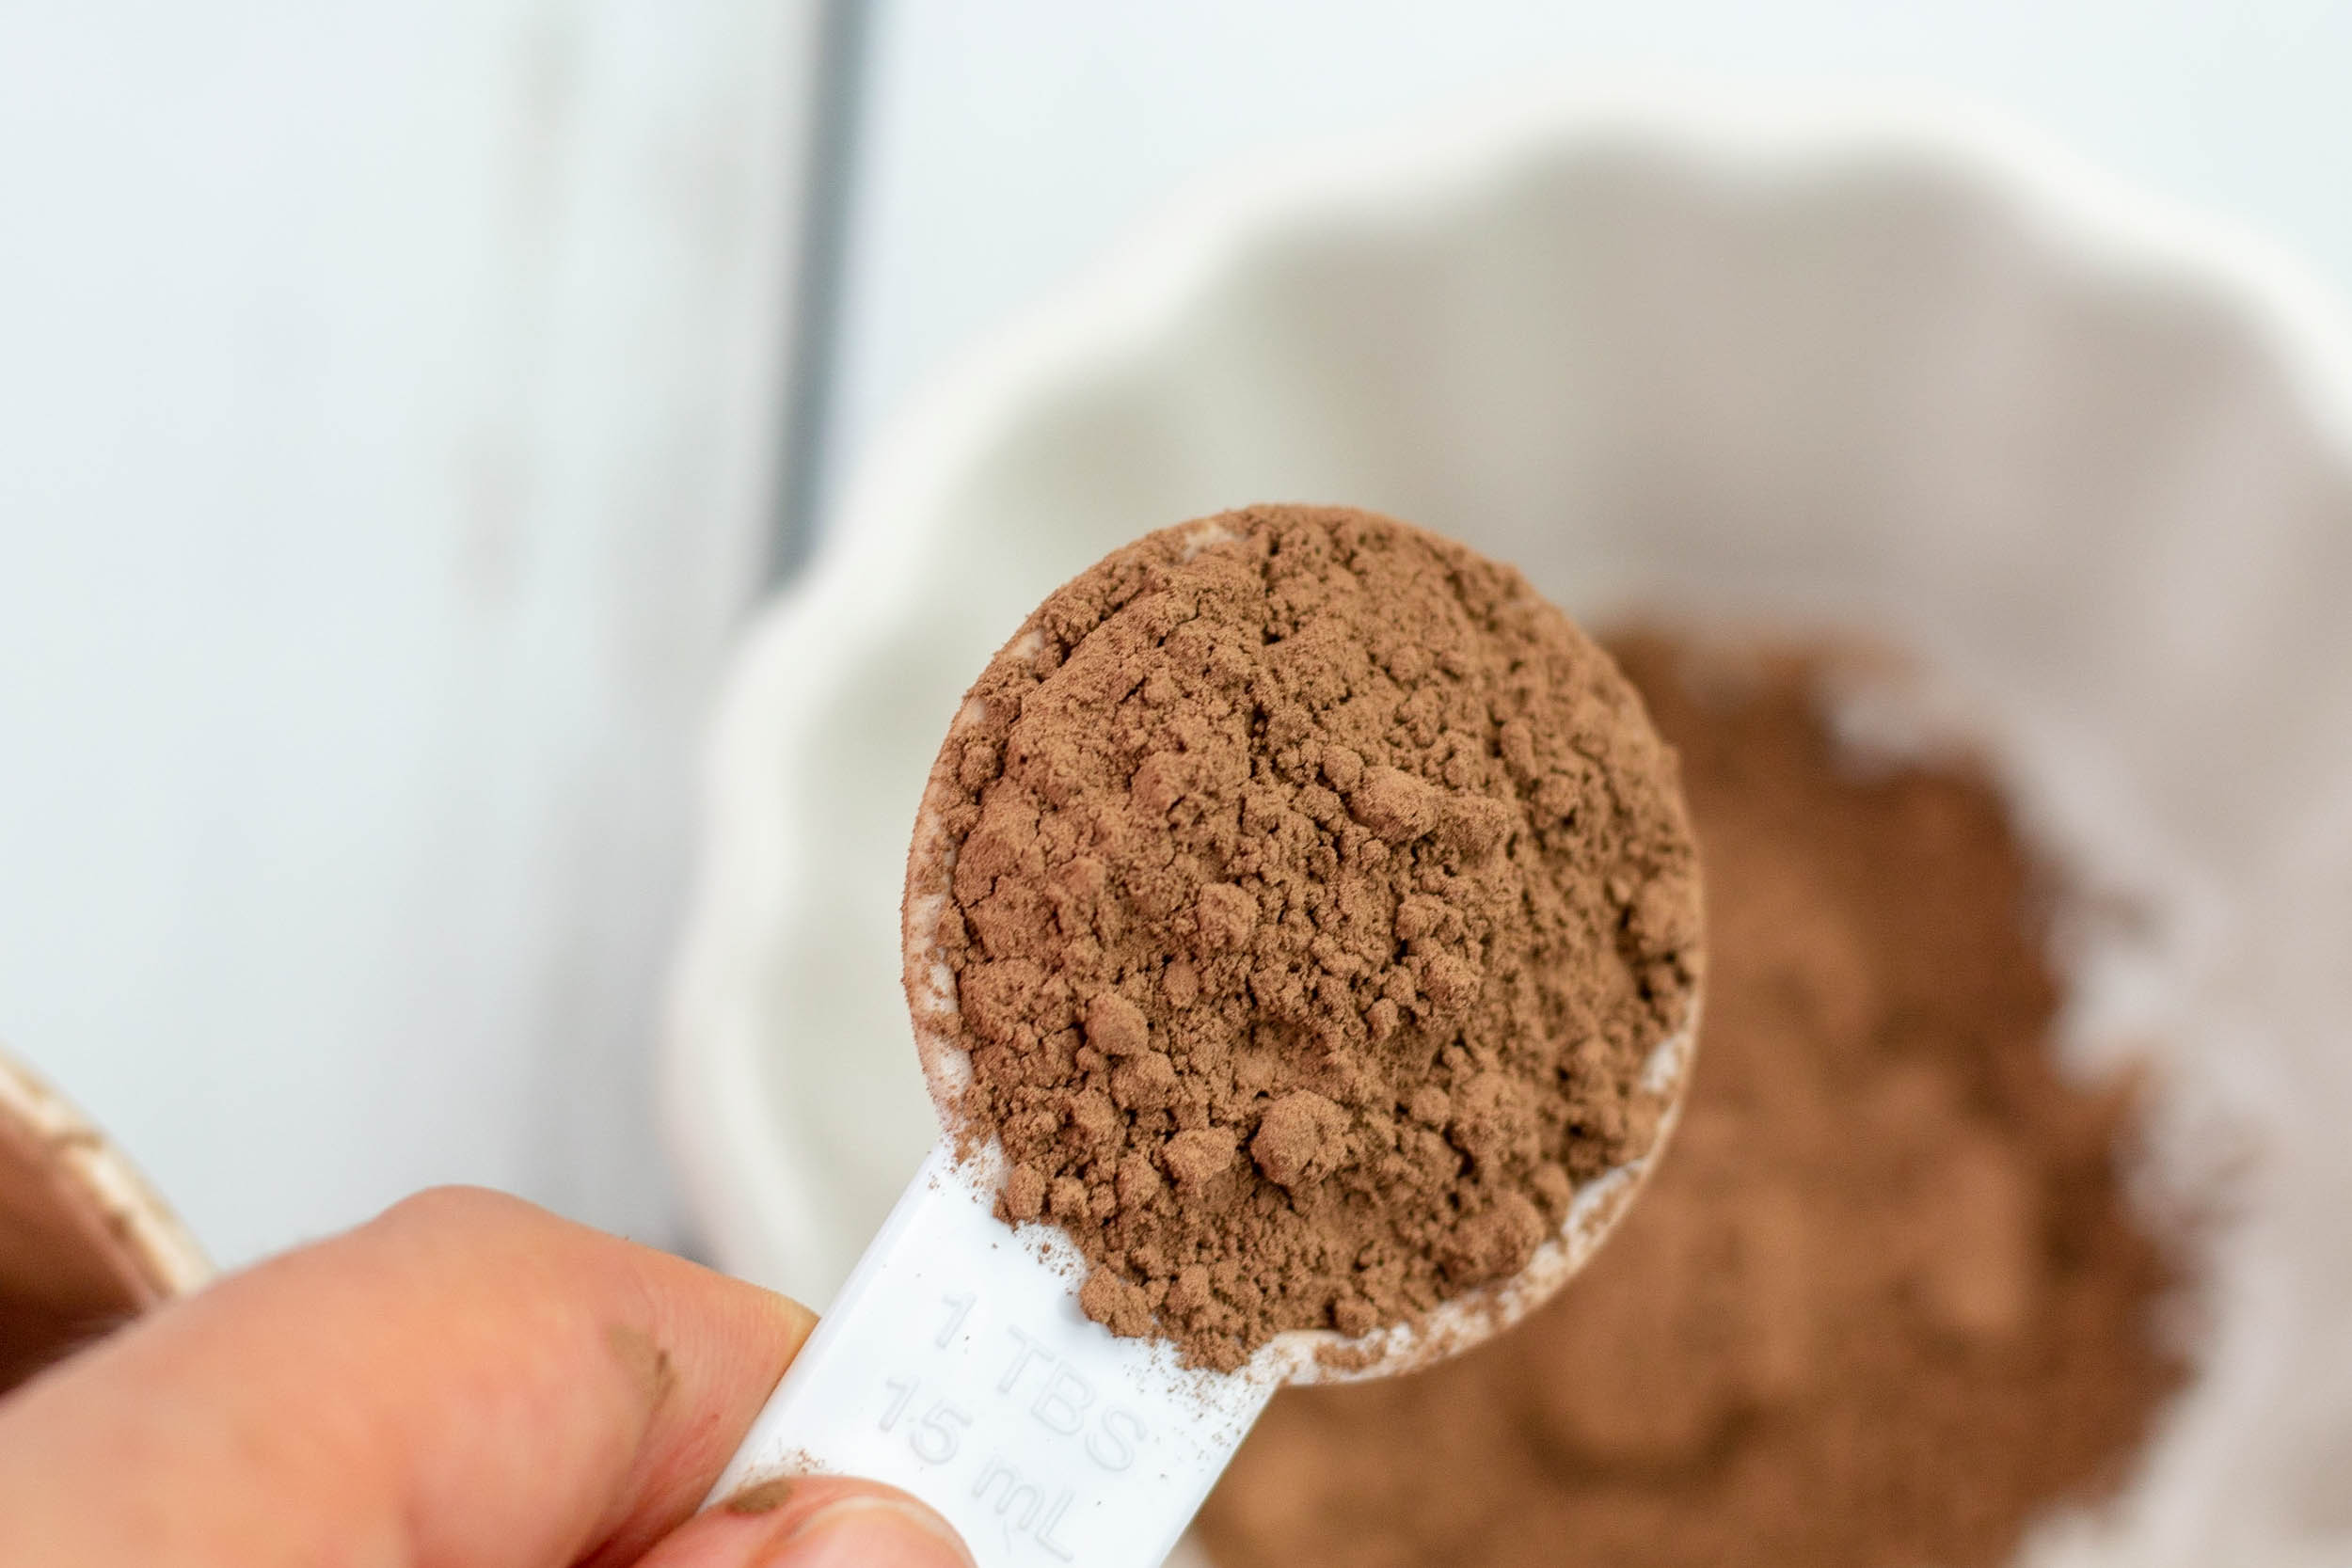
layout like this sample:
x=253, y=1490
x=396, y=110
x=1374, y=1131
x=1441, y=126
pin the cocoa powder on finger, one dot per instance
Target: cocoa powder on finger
x=1315, y=895
x=1884, y=1302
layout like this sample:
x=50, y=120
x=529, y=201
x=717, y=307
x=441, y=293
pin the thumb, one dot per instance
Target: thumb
x=813, y=1522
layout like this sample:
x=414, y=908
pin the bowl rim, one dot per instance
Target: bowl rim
x=735, y=1175
x=140, y=1229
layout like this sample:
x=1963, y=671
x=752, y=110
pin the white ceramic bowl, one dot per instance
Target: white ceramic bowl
x=1886, y=367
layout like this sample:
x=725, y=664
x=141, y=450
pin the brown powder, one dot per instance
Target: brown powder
x=1319, y=894
x=1882, y=1304
x=68, y=1276
x=34, y=1335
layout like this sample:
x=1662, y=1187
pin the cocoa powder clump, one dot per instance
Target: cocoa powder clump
x=1882, y=1304
x=1315, y=895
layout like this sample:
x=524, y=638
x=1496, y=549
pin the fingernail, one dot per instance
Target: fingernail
x=870, y=1532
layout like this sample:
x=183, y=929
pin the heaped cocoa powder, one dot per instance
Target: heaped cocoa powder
x=1884, y=1302
x=1316, y=894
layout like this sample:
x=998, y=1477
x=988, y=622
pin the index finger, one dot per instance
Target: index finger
x=468, y=1382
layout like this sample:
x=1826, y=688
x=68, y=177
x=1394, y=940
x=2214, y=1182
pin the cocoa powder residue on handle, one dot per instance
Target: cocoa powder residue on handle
x=1317, y=892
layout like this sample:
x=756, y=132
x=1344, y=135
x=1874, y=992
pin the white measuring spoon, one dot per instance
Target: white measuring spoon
x=956, y=1363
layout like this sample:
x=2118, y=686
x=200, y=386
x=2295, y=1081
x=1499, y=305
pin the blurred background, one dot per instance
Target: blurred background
x=400, y=407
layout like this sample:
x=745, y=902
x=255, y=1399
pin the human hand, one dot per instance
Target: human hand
x=466, y=1382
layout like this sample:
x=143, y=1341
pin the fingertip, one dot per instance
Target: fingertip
x=791, y=1322
x=815, y=1522
x=869, y=1530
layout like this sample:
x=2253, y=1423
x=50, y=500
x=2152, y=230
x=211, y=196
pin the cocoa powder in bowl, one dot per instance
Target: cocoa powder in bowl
x=1884, y=1302
x=1315, y=895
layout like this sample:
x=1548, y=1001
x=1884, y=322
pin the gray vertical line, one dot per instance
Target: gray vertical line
x=816, y=290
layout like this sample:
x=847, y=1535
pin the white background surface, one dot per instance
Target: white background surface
x=388, y=397
x=385, y=396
